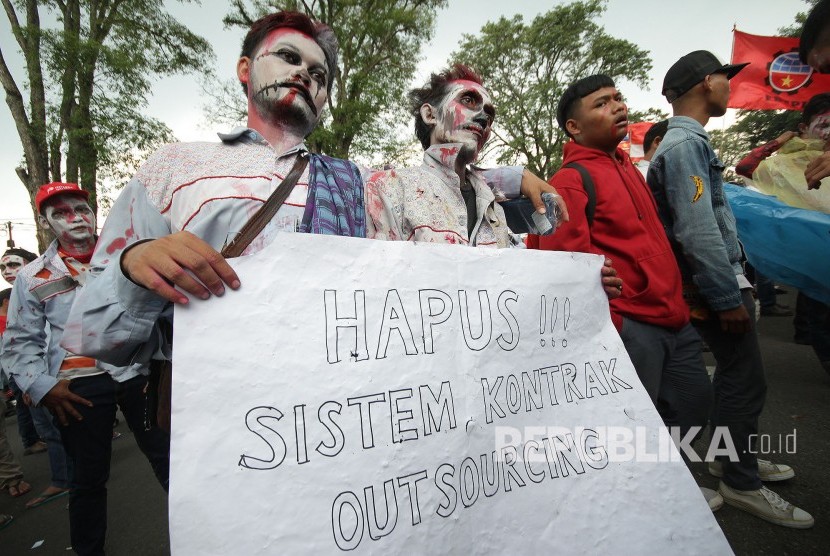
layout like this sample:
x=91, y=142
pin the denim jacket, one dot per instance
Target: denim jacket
x=686, y=178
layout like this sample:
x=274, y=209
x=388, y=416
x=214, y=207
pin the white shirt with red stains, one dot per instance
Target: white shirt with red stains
x=425, y=203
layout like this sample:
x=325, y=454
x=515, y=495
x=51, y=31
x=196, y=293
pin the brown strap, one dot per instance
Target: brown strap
x=266, y=212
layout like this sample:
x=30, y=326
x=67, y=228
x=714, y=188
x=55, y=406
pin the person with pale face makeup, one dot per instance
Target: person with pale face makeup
x=781, y=175
x=81, y=393
x=445, y=200
x=10, y=264
x=12, y=261
x=685, y=177
x=287, y=80
x=464, y=116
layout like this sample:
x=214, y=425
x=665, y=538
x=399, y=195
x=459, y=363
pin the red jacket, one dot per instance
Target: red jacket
x=627, y=229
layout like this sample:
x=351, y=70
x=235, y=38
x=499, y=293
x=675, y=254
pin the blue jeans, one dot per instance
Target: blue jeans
x=89, y=443
x=740, y=391
x=59, y=463
x=765, y=290
x=25, y=424
x=671, y=367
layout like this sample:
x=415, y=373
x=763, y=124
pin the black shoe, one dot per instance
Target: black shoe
x=776, y=311
x=802, y=340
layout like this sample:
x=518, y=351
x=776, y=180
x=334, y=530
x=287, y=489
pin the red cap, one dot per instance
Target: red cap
x=57, y=188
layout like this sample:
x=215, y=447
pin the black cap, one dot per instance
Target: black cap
x=691, y=69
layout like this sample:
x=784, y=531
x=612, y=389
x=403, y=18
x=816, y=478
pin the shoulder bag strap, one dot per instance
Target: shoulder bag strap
x=590, y=190
x=266, y=212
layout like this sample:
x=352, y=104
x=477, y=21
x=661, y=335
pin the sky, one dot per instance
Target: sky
x=668, y=29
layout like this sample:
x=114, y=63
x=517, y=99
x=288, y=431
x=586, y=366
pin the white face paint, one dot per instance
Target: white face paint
x=10, y=265
x=70, y=218
x=288, y=79
x=465, y=115
x=819, y=127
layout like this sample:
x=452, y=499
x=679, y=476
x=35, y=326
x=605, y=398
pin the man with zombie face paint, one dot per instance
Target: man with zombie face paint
x=12, y=261
x=81, y=392
x=188, y=200
x=443, y=200
x=446, y=200
x=10, y=264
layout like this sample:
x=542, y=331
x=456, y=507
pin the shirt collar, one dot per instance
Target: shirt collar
x=248, y=135
x=690, y=124
x=442, y=157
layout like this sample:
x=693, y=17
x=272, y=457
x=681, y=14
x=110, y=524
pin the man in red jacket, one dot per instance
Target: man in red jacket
x=651, y=315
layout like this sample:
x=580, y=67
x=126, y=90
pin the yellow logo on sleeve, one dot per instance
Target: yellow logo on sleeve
x=698, y=188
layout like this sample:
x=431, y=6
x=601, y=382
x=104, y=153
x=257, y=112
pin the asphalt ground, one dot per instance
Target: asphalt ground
x=797, y=402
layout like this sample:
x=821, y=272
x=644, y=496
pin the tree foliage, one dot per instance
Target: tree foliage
x=794, y=30
x=88, y=72
x=651, y=115
x=380, y=44
x=527, y=66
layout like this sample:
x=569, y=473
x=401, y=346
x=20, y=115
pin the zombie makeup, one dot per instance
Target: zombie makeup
x=10, y=265
x=288, y=78
x=465, y=115
x=819, y=127
x=71, y=219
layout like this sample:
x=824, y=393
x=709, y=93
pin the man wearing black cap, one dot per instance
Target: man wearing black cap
x=685, y=177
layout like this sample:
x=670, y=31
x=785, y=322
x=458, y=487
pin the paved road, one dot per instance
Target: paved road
x=798, y=399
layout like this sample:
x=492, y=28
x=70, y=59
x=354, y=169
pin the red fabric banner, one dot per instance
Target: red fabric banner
x=775, y=79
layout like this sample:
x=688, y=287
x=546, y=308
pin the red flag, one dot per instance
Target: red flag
x=775, y=79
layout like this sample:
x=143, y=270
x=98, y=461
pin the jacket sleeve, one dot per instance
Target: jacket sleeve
x=574, y=235
x=112, y=318
x=506, y=180
x=684, y=169
x=384, y=206
x=750, y=162
x=25, y=343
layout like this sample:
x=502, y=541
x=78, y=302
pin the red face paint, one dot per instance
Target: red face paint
x=288, y=77
x=465, y=115
x=71, y=219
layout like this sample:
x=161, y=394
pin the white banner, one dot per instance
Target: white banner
x=371, y=396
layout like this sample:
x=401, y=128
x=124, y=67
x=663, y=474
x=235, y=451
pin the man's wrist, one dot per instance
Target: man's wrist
x=121, y=260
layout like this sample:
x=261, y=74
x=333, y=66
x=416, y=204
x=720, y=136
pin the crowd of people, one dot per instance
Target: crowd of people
x=89, y=321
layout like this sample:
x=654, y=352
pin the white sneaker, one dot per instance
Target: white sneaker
x=714, y=499
x=767, y=471
x=767, y=505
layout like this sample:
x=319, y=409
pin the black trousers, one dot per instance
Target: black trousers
x=739, y=393
x=89, y=445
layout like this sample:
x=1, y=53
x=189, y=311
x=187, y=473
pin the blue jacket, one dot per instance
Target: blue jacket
x=685, y=177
